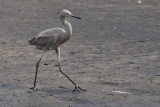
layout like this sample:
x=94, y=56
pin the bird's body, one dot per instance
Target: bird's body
x=51, y=39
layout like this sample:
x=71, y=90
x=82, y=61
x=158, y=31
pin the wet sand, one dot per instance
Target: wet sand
x=114, y=48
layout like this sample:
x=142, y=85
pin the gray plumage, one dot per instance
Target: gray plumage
x=51, y=39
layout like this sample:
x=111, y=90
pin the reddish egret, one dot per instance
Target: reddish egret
x=51, y=39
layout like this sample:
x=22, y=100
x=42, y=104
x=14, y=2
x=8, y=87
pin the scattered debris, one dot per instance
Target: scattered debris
x=72, y=53
x=131, y=62
x=45, y=63
x=17, y=79
x=62, y=87
x=139, y=1
x=121, y=92
x=138, y=67
x=29, y=92
x=56, y=65
x=121, y=34
x=110, y=94
x=115, y=28
x=108, y=82
x=81, y=72
x=141, y=41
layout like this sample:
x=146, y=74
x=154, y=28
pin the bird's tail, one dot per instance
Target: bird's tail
x=31, y=41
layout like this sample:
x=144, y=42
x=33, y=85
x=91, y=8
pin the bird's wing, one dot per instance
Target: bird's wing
x=53, y=32
x=48, y=38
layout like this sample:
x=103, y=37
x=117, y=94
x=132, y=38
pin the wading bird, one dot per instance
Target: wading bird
x=51, y=39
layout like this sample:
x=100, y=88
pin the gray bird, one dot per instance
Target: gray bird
x=52, y=39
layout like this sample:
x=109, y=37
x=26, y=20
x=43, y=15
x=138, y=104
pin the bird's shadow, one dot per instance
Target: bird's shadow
x=57, y=91
x=65, y=94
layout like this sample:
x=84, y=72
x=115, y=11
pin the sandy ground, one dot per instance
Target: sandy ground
x=115, y=47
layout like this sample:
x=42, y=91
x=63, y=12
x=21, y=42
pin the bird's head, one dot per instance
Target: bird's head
x=67, y=13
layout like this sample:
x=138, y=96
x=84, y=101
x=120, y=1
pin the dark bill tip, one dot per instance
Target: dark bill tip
x=76, y=17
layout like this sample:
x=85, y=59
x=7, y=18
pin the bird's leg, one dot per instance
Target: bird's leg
x=77, y=88
x=37, y=66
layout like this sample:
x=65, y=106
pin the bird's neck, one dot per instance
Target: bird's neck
x=69, y=28
x=67, y=25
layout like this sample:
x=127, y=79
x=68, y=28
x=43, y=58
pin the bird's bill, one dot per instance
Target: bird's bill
x=76, y=17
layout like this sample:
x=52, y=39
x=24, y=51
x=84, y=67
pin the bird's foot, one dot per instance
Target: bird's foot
x=34, y=88
x=77, y=88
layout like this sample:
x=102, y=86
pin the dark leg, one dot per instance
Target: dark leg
x=77, y=88
x=37, y=66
